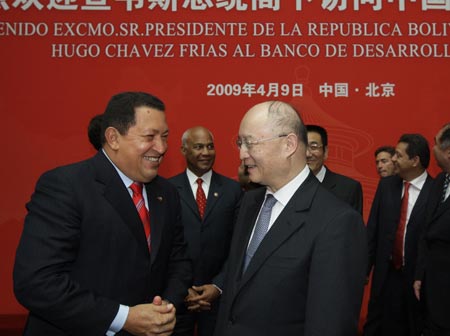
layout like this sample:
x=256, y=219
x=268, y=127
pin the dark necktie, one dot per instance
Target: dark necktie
x=138, y=200
x=397, y=254
x=444, y=188
x=261, y=228
x=201, y=198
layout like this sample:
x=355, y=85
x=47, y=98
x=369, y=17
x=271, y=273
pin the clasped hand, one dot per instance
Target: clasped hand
x=156, y=318
x=201, y=297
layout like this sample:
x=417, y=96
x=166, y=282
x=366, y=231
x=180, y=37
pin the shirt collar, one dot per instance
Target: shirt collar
x=321, y=174
x=284, y=194
x=125, y=179
x=419, y=181
x=206, y=177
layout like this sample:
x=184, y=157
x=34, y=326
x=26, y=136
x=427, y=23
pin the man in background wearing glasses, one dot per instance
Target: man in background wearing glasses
x=343, y=187
x=298, y=255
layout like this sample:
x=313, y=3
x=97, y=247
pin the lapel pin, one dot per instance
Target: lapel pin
x=159, y=198
x=216, y=194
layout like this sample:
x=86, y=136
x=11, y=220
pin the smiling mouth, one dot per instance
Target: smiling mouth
x=155, y=159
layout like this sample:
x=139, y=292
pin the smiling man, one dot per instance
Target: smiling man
x=102, y=249
x=298, y=255
x=396, y=221
x=343, y=187
x=210, y=203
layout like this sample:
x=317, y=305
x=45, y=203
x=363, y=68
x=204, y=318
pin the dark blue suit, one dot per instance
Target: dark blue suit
x=381, y=228
x=208, y=239
x=83, y=250
x=345, y=188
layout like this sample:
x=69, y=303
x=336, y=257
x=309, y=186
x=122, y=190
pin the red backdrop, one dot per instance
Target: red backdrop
x=58, y=72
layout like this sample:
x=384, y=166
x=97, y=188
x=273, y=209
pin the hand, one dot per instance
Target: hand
x=157, y=318
x=191, y=302
x=206, y=294
x=417, y=285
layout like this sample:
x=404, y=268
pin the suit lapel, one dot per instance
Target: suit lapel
x=290, y=221
x=118, y=196
x=436, y=207
x=157, y=204
x=420, y=202
x=329, y=180
x=214, y=194
x=185, y=192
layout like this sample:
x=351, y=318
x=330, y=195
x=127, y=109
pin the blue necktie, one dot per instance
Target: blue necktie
x=261, y=228
x=444, y=189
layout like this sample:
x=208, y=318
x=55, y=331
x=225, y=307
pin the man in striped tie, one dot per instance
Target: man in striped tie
x=88, y=262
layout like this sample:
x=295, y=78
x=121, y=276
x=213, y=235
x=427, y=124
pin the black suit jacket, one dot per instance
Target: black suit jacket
x=209, y=239
x=435, y=256
x=307, y=276
x=83, y=250
x=382, y=226
x=345, y=188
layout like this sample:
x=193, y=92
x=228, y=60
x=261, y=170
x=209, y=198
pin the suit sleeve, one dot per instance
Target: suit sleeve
x=219, y=279
x=179, y=275
x=372, y=228
x=337, y=276
x=47, y=249
x=358, y=198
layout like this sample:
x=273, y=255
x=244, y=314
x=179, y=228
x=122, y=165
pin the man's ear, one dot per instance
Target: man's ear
x=325, y=153
x=291, y=143
x=416, y=161
x=112, y=137
x=183, y=150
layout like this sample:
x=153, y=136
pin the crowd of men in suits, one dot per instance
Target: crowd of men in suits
x=110, y=247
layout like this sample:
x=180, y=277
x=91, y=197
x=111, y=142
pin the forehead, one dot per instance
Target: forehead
x=200, y=136
x=314, y=137
x=254, y=124
x=148, y=118
x=383, y=155
x=401, y=147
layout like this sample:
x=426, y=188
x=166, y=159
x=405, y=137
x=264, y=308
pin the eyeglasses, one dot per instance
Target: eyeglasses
x=313, y=147
x=249, y=144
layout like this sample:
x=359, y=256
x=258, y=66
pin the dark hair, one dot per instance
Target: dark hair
x=120, y=111
x=417, y=146
x=387, y=149
x=322, y=132
x=95, y=131
x=444, y=140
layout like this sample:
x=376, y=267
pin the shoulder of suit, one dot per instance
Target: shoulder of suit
x=225, y=180
x=344, y=178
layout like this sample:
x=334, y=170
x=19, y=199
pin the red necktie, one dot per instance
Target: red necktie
x=397, y=254
x=201, y=198
x=138, y=200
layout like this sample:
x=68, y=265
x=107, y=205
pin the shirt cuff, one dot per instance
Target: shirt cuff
x=220, y=291
x=119, y=321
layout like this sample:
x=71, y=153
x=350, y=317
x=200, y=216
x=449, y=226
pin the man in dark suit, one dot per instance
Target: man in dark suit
x=393, y=241
x=433, y=272
x=300, y=270
x=85, y=264
x=345, y=188
x=208, y=234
